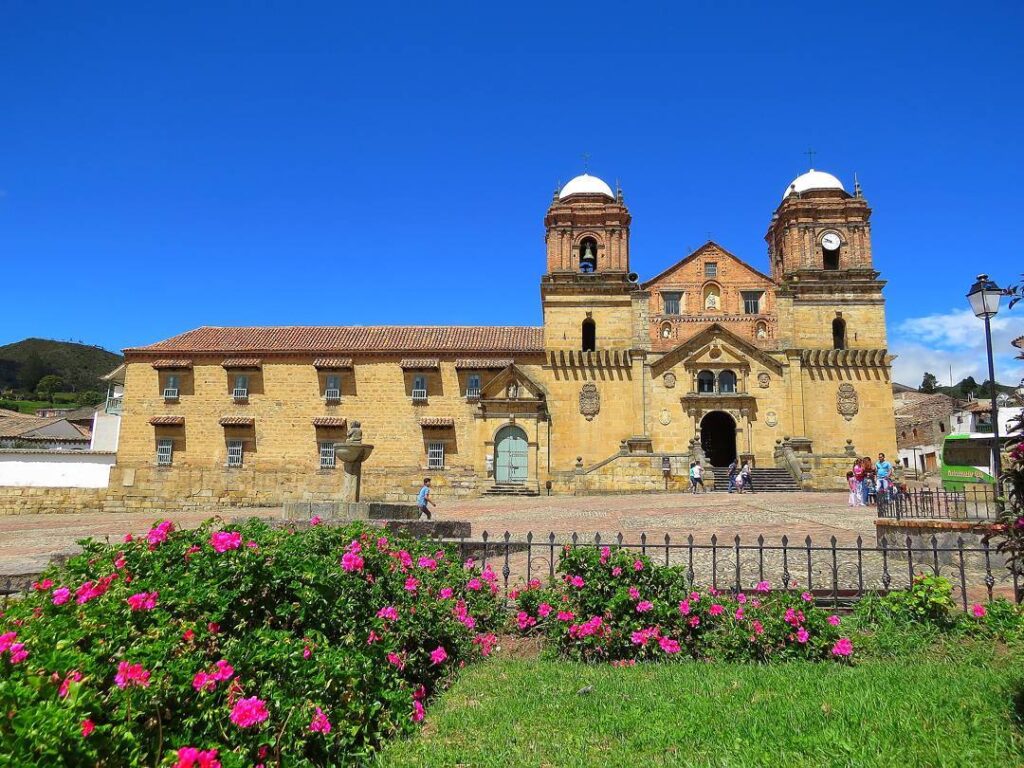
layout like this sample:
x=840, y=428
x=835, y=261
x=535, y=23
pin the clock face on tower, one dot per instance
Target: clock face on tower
x=831, y=241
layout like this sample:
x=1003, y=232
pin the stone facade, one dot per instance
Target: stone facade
x=710, y=353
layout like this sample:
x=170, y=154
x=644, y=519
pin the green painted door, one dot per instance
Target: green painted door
x=510, y=455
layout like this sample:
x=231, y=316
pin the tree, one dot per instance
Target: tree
x=48, y=386
x=89, y=397
x=31, y=372
x=928, y=383
x=968, y=386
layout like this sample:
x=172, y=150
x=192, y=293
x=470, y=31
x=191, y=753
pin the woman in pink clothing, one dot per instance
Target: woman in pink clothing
x=858, y=487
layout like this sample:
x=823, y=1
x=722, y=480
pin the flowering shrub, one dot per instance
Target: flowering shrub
x=236, y=648
x=618, y=607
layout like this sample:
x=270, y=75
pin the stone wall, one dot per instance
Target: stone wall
x=23, y=501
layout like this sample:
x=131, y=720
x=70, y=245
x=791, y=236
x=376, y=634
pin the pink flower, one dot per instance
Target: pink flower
x=315, y=520
x=396, y=661
x=978, y=610
x=525, y=620
x=758, y=627
x=716, y=609
x=427, y=562
x=128, y=538
x=486, y=643
x=42, y=586
x=411, y=584
x=738, y=615
x=74, y=676
x=684, y=607
x=643, y=636
x=474, y=584
x=843, y=647
x=833, y=620
x=644, y=606
x=372, y=638
x=18, y=653
x=307, y=652
x=445, y=593
x=470, y=564
x=605, y=554
x=204, y=681
x=7, y=640
x=88, y=726
x=762, y=586
x=223, y=670
x=158, y=535
x=634, y=593
x=565, y=616
x=695, y=621
x=320, y=723
x=807, y=597
x=741, y=598
x=802, y=635
x=188, y=635
x=120, y=561
x=488, y=574
x=417, y=711
x=438, y=656
x=638, y=566
x=616, y=571
x=544, y=610
x=192, y=757
x=61, y=595
x=593, y=626
x=249, y=712
x=91, y=590
x=351, y=561
x=129, y=674
x=668, y=645
x=143, y=601
x=576, y=581
x=388, y=612
x=222, y=541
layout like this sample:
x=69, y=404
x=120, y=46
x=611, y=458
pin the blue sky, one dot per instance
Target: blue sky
x=169, y=166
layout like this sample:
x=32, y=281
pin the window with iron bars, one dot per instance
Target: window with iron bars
x=171, y=388
x=435, y=455
x=241, y=390
x=332, y=392
x=473, y=387
x=234, y=453
x=327, y=454
x=164, y=452
x=670, y=303
x=752, y=302
x=710, y=269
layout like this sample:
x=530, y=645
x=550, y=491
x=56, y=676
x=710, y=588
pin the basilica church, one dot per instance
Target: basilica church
x=626, y=382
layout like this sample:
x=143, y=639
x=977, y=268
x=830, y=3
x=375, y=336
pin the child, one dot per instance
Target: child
x=851, y=481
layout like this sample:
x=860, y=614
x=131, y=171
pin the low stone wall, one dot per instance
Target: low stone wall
x=20, y=501
x=349, y=510
x=947, y=535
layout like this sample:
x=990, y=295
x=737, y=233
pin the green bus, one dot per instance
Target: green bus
x=967, y=460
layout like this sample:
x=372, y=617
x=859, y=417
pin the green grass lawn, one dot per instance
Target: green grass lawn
x=31, y=406
x=925, y=711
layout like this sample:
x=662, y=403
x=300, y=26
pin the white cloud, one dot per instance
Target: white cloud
x=956, y=339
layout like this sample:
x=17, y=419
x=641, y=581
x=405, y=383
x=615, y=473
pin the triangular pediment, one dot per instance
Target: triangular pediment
x=512, y=380
x=710, y=248
x=715, y=346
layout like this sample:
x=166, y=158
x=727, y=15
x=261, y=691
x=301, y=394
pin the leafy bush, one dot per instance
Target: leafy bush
x=928, y=601
x=257, y=643
x=619, y=607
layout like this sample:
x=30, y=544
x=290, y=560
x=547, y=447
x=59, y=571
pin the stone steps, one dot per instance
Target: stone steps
x=511, y=489
x=766, y=480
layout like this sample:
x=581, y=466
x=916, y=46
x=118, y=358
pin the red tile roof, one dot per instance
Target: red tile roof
x=236, y=421
x=483, y=363
x=329, y=421
x=437, y=421
x=241, y=362
x=165, y=363
x=167, y=421
x=333, y=363
x=379, y=338
x=421, y=363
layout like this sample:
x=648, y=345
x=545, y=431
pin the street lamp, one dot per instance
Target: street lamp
x=984, y=297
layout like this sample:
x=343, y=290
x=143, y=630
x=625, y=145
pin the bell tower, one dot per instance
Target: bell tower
x=588, y=291
x=819, y=246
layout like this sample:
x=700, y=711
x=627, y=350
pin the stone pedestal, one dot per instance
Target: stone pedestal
x=352, y=456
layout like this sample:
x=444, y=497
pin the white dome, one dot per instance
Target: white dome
x=585, y=184
x=813, y=180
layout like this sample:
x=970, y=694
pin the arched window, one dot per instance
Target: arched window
x=727, y=382
x=839, y=333
x=705, y=382
x=588, y=254
x=589, y=335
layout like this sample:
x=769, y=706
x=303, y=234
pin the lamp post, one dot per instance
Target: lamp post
x=984, y=297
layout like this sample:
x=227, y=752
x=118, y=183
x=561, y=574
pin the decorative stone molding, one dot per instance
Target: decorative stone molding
x=763, y=380
x=771, y=419
x=590, y=401
x=847, y=402
x=665, y=417
x=669, y=380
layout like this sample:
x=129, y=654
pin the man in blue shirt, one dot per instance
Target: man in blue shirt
x=883, y=471
x=423, y=498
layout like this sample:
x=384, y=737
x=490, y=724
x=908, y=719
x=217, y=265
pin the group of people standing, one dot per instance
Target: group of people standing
x=869, y=480
x=740, y=477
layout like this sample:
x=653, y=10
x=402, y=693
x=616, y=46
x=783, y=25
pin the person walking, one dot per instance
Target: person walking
x=858, y=478
x=423, y=499
x=697, y=473
x=748, y=480
x=733, y=471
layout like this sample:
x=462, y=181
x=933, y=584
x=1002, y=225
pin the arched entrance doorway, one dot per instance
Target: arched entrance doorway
x=718, y=438
x=510, y=455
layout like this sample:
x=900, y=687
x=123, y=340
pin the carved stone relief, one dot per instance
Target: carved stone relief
x=771, y=419
x=590, y=401
x=847, y=402
x=665, y=418
x=763, y=380
x=669, y=379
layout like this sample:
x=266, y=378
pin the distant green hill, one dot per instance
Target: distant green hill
x=24, y=363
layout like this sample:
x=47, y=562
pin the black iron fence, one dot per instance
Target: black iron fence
x=972, y=504
x=835, y=574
